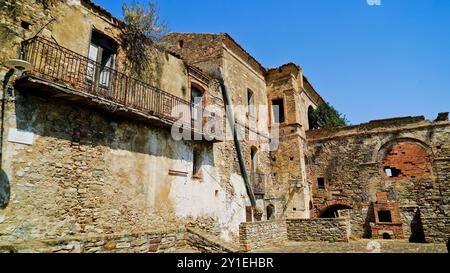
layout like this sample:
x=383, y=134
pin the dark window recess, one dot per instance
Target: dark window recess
x=310, y=118
x=278, y=110
x=392, y=172
x=270, y=210
x=196, y=163
x=25, y=25
x=384, y=216
x=180, y=44
x=321, y=183
x=386, y=236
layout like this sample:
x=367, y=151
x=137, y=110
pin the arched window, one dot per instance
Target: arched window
x=270, y=210
x=310, y=118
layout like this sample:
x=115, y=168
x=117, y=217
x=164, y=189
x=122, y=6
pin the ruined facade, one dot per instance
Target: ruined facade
x=88, y=148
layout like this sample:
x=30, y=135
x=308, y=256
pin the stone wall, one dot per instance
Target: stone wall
x=436, y=229
x=205, y=242
x=332, y=230
x=352, y=162
x=255, y=235
x=141, y=242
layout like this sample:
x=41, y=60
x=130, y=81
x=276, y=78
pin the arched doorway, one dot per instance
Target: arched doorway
x=333, y=211
x=270, y=210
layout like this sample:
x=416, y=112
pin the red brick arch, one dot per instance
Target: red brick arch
x=405, y=159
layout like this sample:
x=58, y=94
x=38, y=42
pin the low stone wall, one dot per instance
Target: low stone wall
x=261, y=234
x=332, y=230
x=436, y=229
x=208, y=243
x=144, y=242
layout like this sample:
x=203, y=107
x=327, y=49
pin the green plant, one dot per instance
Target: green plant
x=143, y=29
x=325, y=116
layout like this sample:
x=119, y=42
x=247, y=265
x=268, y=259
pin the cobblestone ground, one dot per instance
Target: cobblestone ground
x=362, y=246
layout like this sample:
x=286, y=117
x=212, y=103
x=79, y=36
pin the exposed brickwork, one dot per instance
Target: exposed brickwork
x=379, y=227
x=409, y=159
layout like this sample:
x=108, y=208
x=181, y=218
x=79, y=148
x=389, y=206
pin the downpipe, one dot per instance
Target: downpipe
x=237, y=143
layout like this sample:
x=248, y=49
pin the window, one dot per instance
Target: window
x=253, y=152
x=251, y=104
x=270, y=210
x=102, y=52
x=310, y=118
x=196, y=164
x=384, y=216
x=392, y=172
x=278, y=110
x=196, y=101
x=321, y=183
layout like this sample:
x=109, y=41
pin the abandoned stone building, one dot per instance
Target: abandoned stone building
x=89, y=162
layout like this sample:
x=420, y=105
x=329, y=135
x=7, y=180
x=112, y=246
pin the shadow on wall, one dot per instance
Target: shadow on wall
x=5, y=190
x=417, y=233
x=81, y=125
x=369, y=218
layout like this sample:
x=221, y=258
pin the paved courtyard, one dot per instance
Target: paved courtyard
x=362, y=246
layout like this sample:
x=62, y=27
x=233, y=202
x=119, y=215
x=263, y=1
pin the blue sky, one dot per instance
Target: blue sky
x=370, y=62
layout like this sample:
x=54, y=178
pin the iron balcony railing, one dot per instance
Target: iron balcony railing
x=258, y=181
x=60, y=65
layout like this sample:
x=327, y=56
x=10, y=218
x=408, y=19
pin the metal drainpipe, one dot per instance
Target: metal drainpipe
x=237, y=144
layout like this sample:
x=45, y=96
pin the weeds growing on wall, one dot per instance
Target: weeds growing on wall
x=143, y=30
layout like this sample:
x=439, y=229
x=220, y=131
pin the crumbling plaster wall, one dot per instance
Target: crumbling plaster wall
x=123, y=176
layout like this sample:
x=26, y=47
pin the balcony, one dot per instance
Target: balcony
x=258, y=181
x=61, y=73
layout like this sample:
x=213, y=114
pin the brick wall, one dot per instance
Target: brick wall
x=409, y=159
x=261, y=234
x=332, y=230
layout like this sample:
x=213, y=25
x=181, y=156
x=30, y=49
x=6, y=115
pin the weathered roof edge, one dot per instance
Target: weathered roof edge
x=261, y=67
x=103, y=11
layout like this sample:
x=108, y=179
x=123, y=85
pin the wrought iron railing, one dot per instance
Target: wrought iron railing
x=258, y=181
x=61, y=65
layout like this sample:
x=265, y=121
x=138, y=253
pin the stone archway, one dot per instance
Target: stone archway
x=331, y=208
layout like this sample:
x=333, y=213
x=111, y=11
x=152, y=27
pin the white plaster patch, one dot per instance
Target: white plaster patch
x=20, y=136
